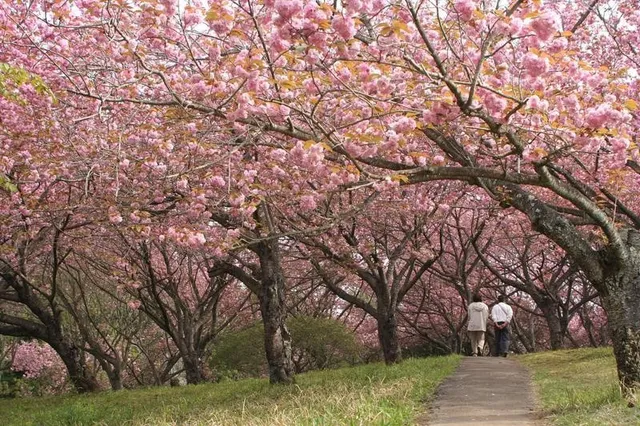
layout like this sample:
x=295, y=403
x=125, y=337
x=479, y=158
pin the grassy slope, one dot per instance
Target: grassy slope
x=365, y=395
x=579, y=387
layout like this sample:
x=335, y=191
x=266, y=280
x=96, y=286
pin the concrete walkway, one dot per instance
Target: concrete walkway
x=485, y=391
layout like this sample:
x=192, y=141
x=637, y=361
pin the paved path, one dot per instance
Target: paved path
x=471, y=395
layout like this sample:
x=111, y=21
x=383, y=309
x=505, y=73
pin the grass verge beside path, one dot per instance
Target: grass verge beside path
x=579, y=387
x=365, y=395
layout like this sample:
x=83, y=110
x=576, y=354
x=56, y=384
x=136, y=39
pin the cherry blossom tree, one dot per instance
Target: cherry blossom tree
x=107, y=326
x=434, y=314
x=174, y=288
x=262, y=273
x=373, y=261
x=533, y=103
x=30, y=286
x=525, y=263
x=39, y=361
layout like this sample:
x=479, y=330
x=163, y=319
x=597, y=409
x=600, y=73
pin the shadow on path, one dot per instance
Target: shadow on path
x=484, y=391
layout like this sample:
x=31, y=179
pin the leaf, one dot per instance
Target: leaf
x=631, y=105
x=288, y=84
x=400, y=26
x=326, y=7
x=236, y=33
x=324, y=24
x=212, y=15
x=386, y=30
x=540, y=151
x=326, y=146
x=7, y=185
x=400, y=178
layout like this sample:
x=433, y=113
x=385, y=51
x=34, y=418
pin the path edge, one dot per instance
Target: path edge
x=422, y=419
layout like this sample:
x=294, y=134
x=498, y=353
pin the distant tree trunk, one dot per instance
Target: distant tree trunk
x=277, y=340
x=388, y=336
x=73, y=359
x=588, y=326
x=556, y=332
x=532, y=332
x=113, y=369
x=115, y=379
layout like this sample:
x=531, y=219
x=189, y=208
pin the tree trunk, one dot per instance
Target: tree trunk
x=115, y=379
x=520, y=335
x=72, y=358
x=388, y=336
x=588, y=326
x=556, y=332
x=622, y=304
x=193, y=369
x=277, y=340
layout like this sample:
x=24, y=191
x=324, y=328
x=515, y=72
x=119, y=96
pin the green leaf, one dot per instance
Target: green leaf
x=7, y=185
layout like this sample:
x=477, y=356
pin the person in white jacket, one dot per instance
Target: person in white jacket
x=478, y=314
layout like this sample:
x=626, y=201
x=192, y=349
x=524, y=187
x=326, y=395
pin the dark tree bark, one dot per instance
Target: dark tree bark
x=621, y=300
x=267, y=281
x=73, y=359
x=115, y=379
x=556, y=330
x=46, y=326
x=614, y=271
x=277, y=339
x=388, y=337
x=193, y=368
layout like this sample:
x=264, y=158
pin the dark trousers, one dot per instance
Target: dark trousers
x=503, y=338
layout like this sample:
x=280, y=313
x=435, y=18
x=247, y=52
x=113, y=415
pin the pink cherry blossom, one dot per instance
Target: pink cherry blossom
x=307, y=203
x=218, y=182
x=404, y=125
x=134, y=304
x=344, y=27
x=534, y=65
x=287, y=8
x=619, y=144
x=545, y=26
x=114, y=215
x=465, y=8
x=601, y=116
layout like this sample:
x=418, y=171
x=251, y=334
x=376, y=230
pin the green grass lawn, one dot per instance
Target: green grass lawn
x=579, y=387
x=366, y=395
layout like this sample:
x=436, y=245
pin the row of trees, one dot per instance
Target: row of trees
x=341, y=133
x=144, y=312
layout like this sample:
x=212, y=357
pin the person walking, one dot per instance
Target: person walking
x=501, y=315
x=478, y=314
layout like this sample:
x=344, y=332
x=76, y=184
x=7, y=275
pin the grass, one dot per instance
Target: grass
x=579, y=387
x=365, y=395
